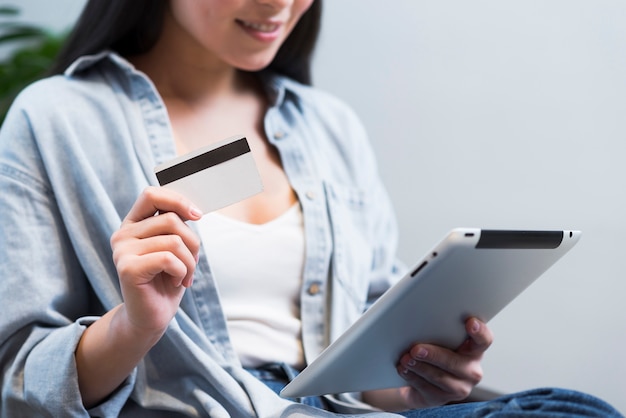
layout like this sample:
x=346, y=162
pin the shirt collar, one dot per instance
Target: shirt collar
x=87, y=61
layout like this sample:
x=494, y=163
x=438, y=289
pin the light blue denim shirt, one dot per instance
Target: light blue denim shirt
x=75, y=152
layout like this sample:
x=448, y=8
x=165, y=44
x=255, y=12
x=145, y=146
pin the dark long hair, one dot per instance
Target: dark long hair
x=132, y=27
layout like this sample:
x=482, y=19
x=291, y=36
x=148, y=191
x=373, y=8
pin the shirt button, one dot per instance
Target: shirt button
x=279, y=135
x=314, y=288
x=310, y=195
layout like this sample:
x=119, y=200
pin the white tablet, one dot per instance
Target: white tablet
x=470, y=273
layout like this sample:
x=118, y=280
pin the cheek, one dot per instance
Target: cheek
x=195, y=16
x=183, y=11
x=300, y=7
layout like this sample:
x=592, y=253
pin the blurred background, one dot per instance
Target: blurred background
x=494, y=114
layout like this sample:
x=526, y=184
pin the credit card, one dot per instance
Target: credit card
x=214, y=176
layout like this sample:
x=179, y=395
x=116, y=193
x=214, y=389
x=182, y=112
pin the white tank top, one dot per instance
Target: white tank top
x=258, y=270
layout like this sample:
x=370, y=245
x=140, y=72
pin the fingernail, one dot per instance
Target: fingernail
x=412, y=363
x=475, y=326
x=195, y=211
x=422, y=353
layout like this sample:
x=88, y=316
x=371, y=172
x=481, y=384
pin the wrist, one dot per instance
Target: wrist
x=141, y=336
x=391, y=400
x=107, y=353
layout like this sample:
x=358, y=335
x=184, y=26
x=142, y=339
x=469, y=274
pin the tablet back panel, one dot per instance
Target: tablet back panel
x=471, y=272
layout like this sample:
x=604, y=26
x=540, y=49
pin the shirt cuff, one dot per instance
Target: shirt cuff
x=51, y=378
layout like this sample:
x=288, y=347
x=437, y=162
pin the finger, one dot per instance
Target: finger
x=127, y=240
x=480, y=338
x=178, y=261
x=159, y=199
x=164, y=224
x=435, y=383
x=145, y=268
x=441, y=366
x=169, y=267
x=167, y=243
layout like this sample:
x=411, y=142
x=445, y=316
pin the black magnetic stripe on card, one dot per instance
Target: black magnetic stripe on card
x=203, y=161
x=519, y=239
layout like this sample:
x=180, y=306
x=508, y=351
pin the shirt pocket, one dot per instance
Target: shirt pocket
x=352, y=249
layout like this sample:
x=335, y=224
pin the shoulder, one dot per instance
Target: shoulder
x=49, y=93
x=331, y=132
x=323, y=112
x=59, y=93
x=57, y=114
x=92, y=97
x=327, y=105
x=40, y=100
x=98, y=78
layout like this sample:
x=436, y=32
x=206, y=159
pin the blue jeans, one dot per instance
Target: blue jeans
x=277, y=375
x=545, y=402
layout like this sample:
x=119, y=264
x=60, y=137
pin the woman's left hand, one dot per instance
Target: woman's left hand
x=436, y=375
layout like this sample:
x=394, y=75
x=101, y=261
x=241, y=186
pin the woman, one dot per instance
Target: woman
x=113, y=311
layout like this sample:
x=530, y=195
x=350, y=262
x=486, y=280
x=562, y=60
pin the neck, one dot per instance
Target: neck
x=183, y=70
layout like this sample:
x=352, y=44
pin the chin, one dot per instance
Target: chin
x=252, y=68
x=253, y=64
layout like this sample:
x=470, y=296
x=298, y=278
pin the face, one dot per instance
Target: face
x=245, y=34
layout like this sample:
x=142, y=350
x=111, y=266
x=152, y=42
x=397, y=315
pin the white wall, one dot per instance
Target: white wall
x=504, y=114
x=57, y=15
x=54, y=15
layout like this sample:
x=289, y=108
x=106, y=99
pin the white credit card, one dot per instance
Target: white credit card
x=214, y=176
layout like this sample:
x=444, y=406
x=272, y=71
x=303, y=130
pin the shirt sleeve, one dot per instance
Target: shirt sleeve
x=45, y=296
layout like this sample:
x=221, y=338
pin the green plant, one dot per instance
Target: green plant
x=34, y=49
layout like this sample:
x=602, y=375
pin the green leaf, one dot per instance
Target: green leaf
x=21, y=34
x=9, y=10
x=29, y=61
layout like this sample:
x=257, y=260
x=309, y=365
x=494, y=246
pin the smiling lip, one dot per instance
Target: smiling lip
x=262, y=31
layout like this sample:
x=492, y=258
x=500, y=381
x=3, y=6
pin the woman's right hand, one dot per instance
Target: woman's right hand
x=155, y=254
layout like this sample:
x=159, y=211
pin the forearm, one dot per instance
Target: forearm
x=107, y=353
